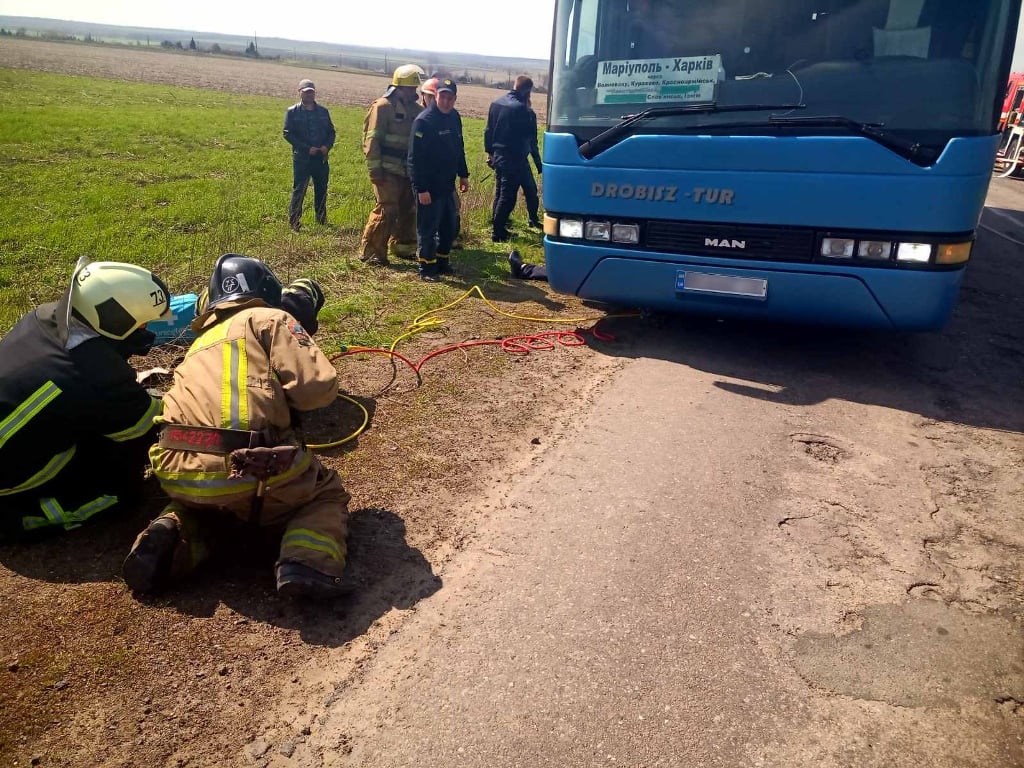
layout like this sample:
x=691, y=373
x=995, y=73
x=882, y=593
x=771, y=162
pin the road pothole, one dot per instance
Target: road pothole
x=821, y=448
x=921, y=653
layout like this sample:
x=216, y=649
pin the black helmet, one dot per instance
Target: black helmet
x=242, y=277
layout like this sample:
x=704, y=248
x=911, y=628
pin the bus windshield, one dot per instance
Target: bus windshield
x=926, y=70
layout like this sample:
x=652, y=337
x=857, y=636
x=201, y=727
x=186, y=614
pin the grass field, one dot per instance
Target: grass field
x=171, y=177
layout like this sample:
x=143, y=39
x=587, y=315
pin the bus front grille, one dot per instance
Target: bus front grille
x=730, y=240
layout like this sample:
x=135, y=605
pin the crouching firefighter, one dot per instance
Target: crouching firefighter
x=227, y=442
x=74, y=423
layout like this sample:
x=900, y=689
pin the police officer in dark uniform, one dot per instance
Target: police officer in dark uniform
x=308, y=128
x=74, y=423
x=507, y=141
x=437, y=155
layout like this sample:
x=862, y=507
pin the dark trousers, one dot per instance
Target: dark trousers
x=436, y=227
x=529, y=185
x=102, y=476
x=510, y=173
x=304, y=168
x=533, y=272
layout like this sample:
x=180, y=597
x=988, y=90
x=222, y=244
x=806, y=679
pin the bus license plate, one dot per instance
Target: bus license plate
x=708, y=282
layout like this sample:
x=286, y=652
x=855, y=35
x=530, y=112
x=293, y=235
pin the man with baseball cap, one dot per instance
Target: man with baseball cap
x=308, y=128
x=437, y=155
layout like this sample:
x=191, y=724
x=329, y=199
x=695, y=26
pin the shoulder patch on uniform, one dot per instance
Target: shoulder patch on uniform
x=419, y=134
x=296, y=330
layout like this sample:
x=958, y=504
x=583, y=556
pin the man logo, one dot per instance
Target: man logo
x=714, y=242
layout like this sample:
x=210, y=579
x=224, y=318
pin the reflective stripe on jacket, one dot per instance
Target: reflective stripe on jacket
x=52, y=398
x=246, y=370
x=386, y=131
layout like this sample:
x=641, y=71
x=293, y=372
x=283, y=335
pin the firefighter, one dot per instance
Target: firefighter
x=437, y=155
x=228, y=445
x=74, y=423
x=386, y=132
x=428, y=97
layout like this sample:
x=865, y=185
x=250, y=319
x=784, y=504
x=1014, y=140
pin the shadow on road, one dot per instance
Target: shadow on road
x=969, y=373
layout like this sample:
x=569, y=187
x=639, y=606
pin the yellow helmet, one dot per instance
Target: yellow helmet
x=116, y=299
x=408, y=74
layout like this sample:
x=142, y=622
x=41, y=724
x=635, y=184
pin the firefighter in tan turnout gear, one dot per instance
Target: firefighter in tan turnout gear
x=228, y=444
x=385, y=143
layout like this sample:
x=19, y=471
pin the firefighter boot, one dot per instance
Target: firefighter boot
x=298, y=581
x=444, y=266
x=148, y=565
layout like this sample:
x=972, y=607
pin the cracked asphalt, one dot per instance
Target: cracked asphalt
x=756, y=547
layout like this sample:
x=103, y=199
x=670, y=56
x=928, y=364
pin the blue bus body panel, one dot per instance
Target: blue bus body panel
x=828, y=183
x=806, y=293
x=777, y=181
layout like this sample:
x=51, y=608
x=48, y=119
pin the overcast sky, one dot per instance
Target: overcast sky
x=518, y=28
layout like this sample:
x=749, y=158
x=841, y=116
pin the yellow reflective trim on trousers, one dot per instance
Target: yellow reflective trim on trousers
x=57, y=515
x=373, y=164
x=28, y=409
x=206, y=485
x=307, y=538
x=47, y=473
x=142, y=426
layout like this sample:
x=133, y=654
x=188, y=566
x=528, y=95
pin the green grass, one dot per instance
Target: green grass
x=170, y=178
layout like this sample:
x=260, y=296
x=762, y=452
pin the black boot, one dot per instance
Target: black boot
x=444, y=266
x=515, y=264
x=295, y=580
x=148, y=565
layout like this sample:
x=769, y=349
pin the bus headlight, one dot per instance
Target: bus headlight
x=953, y=253
x=626, y=233
x=917, y=253
x=598, y=230
x=570, y=228
x=837, y=247
x=874, y=249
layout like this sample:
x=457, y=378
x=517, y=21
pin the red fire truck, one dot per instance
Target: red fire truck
x=1010, y=157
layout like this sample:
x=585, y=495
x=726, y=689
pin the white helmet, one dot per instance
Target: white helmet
x=116, y=299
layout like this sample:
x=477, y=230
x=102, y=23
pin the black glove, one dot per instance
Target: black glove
x=303, y=300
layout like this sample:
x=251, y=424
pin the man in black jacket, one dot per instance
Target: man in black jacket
x=308, y=128
x=74, y=423
x=507, y=142
x=437, y=155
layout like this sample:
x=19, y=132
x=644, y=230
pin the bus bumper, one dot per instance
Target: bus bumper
x=819, y=294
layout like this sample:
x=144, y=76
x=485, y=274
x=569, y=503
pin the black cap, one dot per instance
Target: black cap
x=447, y=84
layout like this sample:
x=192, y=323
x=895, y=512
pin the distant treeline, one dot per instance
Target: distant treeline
x=361, y=61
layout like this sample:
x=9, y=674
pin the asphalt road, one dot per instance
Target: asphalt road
x=759, y=546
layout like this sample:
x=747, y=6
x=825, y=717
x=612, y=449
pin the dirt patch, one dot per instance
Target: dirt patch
x=95, y=677
x=220, y=73
x=90, y=676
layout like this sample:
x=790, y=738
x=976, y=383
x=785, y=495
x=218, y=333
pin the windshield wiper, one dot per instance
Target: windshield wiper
x=621, y=130
x=911, y=150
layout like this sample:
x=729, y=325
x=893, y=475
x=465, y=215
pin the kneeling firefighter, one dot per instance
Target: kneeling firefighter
x=228, y=444
x=74, y=423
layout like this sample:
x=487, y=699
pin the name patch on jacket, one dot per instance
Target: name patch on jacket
x=300, y=333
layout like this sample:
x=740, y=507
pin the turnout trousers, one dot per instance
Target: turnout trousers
x=435, y=230
x=392, y=221
x=101, y=476
x=313, y=508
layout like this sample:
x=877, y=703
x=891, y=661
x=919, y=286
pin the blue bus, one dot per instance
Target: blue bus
x=816, y=161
